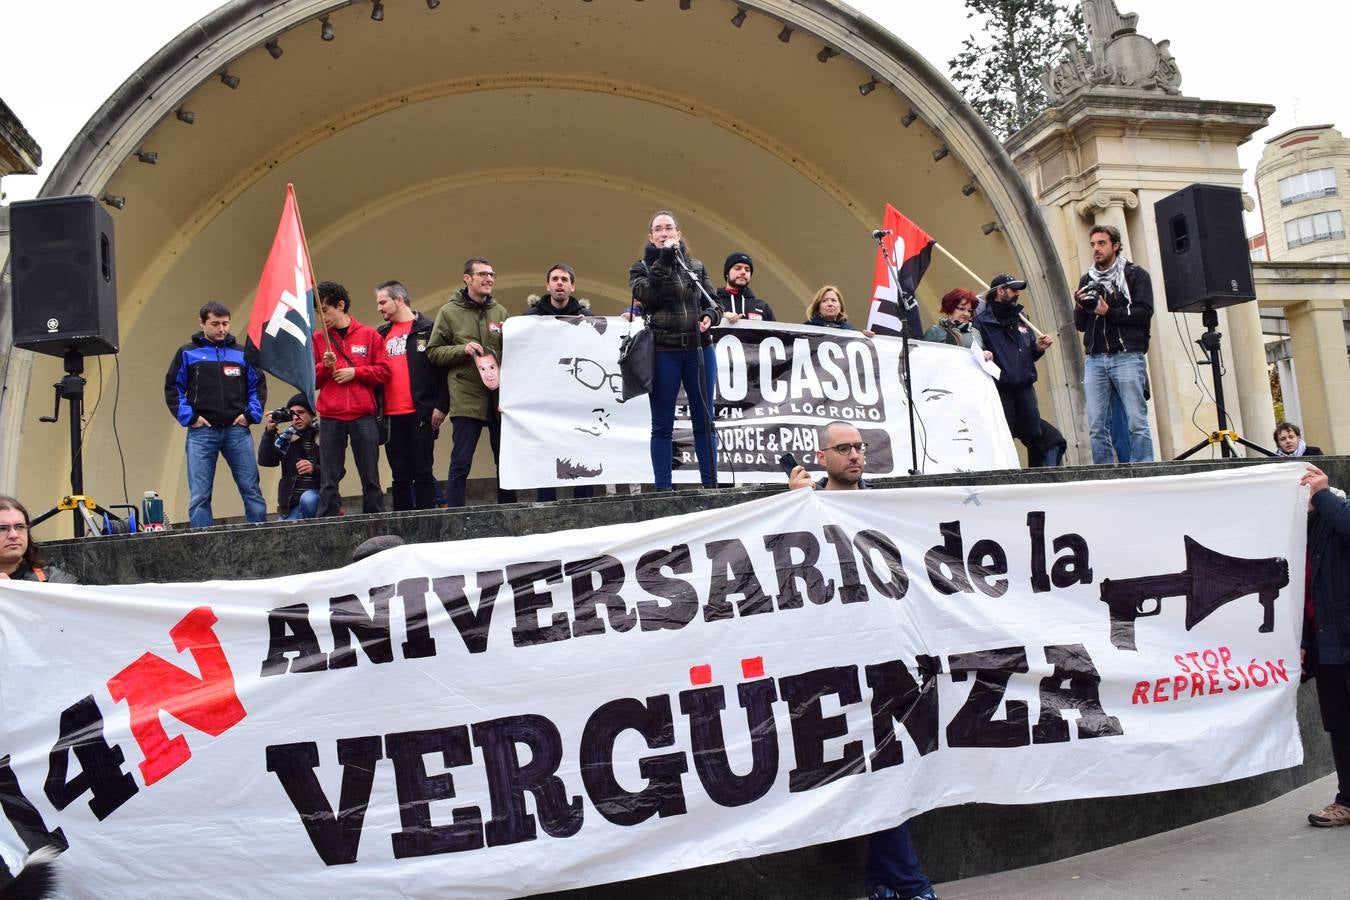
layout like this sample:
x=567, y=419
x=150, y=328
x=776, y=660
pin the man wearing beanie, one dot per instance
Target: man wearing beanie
x=296, y=451
x=736, y=299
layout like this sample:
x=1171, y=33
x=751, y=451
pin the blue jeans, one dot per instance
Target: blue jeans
x=306, y=506
x=892, y=863
x=673, y=368
x=1108, y=377
x=235, y=443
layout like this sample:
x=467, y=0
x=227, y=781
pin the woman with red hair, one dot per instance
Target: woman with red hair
x=958, y=308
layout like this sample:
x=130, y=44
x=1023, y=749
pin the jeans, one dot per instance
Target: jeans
x=465, y=432
x=306, y=506
x=1106, y=377
x=673, y=368
x=235, y=443
x=892, y=863
x=411, y=453
x=365, y=438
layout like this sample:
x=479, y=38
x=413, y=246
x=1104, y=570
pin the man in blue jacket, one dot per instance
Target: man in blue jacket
x=1326, y=632
x=216, y=395
x=1016, y=350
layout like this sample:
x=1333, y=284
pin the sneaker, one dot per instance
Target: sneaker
x=881, y=892
x=1332, y=815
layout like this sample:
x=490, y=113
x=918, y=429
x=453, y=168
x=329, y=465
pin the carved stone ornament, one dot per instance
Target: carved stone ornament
x=1104, y=199
x=1117, y=56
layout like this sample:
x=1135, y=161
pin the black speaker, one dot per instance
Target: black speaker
x=64, y=276
x=1204, y=248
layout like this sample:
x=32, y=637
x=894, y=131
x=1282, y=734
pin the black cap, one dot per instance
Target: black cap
x=302, y=401
x=737, y=257
x=1005, y=280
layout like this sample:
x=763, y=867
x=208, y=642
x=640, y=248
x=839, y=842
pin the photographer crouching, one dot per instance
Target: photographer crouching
x=296, y=450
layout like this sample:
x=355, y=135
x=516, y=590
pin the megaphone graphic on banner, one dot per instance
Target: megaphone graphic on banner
x=1210, y=580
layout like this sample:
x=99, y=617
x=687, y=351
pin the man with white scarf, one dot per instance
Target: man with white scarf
x=1115, y=323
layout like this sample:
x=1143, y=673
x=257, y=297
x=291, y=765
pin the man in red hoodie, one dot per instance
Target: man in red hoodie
x=350, y=370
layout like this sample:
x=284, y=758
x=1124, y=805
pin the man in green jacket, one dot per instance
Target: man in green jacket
x=467, y=327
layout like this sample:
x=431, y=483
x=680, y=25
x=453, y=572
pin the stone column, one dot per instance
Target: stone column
x=1293, y=411
x=1317, y=335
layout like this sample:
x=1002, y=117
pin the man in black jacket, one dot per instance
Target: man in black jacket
x=559, y=301
x=735, y=297
x=296, y=451
x=1016, y=350
x=416, y=398
x=1114, y=308
x=215, y=393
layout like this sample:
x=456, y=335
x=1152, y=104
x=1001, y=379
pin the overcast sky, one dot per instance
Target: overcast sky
x=60, y=60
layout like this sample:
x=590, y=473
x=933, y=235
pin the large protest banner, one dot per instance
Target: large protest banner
x=564, y=421
x=507, y=716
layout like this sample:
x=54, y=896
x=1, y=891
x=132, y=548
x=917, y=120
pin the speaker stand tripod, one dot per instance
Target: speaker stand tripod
x=1210, y=342
x=71, y=388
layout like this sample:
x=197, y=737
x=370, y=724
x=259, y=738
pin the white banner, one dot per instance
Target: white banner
x=514, y=715
x=564, y=422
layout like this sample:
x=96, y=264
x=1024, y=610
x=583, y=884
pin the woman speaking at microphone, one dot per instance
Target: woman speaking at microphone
x=679, y=316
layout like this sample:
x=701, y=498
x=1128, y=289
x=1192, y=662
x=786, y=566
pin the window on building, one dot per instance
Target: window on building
x=1326, y=226
x=1307, y=186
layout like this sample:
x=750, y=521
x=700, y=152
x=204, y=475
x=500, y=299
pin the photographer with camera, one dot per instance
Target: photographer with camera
x=1113, y=309
x=296, y=450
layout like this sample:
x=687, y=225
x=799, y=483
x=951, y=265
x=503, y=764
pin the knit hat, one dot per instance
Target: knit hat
x=302, y=401
x=737, y=257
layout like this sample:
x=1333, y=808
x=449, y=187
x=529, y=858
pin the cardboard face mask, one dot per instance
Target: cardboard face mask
x=488, y=371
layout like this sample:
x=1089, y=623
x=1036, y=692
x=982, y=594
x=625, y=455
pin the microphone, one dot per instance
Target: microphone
x=880, y=233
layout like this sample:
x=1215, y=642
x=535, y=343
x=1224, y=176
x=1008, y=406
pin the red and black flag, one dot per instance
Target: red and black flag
x=280, y=332
x=893, y=305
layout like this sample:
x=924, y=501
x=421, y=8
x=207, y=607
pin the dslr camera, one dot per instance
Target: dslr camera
x=1093, y=292
x=277, y=416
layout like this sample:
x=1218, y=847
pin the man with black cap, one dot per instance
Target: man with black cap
x=296, y=451
x=736, y=299
x=1016, y=349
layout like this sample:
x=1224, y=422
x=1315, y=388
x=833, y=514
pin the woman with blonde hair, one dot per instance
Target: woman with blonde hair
x=826, y=310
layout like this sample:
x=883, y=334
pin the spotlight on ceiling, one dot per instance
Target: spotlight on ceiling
x=186, y=116
x=149, y=157
x=116, y=201
x=739, y=19
x=969, y=188
x=230, y=81
x=274, y=49
x=940, y=153
x=685, y=4
x=908, y=118
x=325, y=28
x=868, y=86
x=432, y=4
x=786, y=34
x=376, y=11
x=826, y=54
x=990, y=227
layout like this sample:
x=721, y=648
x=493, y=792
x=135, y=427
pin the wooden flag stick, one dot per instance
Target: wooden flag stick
x=980, y=281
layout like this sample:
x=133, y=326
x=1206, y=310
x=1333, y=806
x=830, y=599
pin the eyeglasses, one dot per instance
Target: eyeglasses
x=17, y=528
x=485, y=275
x=593, y=375
x=860, y=446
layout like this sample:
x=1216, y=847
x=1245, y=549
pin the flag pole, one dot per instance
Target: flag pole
x=980, y=281
x=309, y=264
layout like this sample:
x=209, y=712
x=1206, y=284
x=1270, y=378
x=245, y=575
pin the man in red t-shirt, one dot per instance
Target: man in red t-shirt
x=416, y=398
x=349, y=370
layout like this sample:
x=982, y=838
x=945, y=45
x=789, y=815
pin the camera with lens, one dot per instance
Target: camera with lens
x=277, y=416
x=1093, y=292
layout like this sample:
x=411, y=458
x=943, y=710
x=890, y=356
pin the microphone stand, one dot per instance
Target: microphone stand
x=905, y=379
x=714, y=439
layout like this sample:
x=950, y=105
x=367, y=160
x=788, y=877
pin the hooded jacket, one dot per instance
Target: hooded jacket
x=360, y=349
x=460, y=321
x=745, y=303
x=213, y=381
x=1011, y=341
x=1329, y=577
x=673, y=307
x=1125, y=326
x=542, y=305
x=426, y=380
